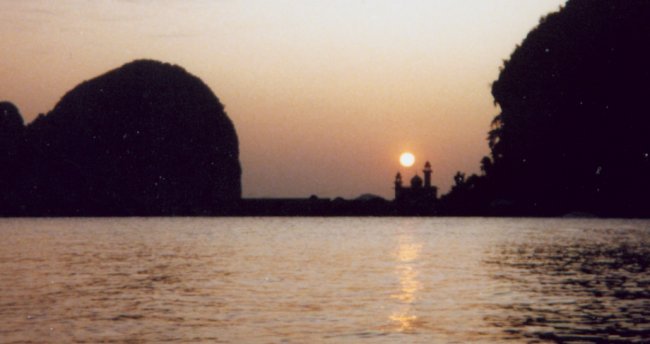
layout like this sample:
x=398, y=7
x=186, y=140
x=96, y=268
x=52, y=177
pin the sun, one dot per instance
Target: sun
x=407, y=159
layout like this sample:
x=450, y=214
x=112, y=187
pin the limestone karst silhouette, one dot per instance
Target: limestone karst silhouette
x=572, y=133
x=11, y=137
x=147, y=138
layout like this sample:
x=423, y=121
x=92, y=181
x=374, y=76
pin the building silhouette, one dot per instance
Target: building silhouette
x=420, y=197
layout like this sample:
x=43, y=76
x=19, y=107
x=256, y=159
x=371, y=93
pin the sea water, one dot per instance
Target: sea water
x=331, y=280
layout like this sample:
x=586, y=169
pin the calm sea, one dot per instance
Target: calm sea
x=332, y=280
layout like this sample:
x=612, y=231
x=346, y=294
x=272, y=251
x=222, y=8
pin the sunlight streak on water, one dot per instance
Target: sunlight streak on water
x=407, y=254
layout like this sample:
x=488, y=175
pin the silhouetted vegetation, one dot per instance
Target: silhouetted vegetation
x=573, y=132
x=145, y=139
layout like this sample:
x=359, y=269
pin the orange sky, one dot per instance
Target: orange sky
x=324, y=95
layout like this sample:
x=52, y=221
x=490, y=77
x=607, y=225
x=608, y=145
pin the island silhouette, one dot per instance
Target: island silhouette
x=573, y=132
x=572, y=136
x=144, y=139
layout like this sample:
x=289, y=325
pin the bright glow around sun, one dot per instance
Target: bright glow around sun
x=407, y=159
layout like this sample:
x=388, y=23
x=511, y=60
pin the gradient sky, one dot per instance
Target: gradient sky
x=324, y=95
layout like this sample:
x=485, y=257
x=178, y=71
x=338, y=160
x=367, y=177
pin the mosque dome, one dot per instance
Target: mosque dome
x=416, y=182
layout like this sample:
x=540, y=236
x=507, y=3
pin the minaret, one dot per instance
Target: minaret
x=398, y=185
x=427, y=175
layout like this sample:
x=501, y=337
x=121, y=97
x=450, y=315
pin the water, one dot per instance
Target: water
x=306, y=280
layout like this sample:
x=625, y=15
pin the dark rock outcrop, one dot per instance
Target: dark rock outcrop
x=11, y=121
x=145, y=139
x=11, y=139
x=572, y=134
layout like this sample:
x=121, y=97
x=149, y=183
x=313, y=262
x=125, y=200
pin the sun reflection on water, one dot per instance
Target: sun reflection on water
x=405, y=322
x=403, y=318
x=409, y=284
x=407, y=251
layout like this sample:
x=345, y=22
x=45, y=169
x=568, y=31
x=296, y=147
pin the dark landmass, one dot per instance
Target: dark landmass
x=365, y=205
x=149, y=139
x=573, y=134
x=313, y=206
x=145, y=139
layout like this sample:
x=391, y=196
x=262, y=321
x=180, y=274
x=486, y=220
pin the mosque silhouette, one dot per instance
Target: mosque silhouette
x=420, y=195
x=418, y=199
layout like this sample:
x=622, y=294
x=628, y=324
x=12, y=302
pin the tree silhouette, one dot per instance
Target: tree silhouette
x=573, y=129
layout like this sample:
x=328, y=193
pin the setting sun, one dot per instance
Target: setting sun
x=407, y=159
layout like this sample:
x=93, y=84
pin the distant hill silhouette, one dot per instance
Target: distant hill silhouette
x=574, y=129
x=147, y=138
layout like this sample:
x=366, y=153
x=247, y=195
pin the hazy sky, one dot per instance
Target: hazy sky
x=324, y=95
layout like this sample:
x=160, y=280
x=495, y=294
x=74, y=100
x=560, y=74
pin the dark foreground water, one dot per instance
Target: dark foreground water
x=306, y=280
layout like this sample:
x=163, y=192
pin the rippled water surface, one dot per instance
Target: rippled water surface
x=305, y=280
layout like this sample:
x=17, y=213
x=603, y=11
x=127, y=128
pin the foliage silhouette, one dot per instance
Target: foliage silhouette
x=147, y=138
x=573, y=130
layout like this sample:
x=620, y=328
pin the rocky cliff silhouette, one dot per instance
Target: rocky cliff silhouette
x=572, y=134
x=144, y=139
